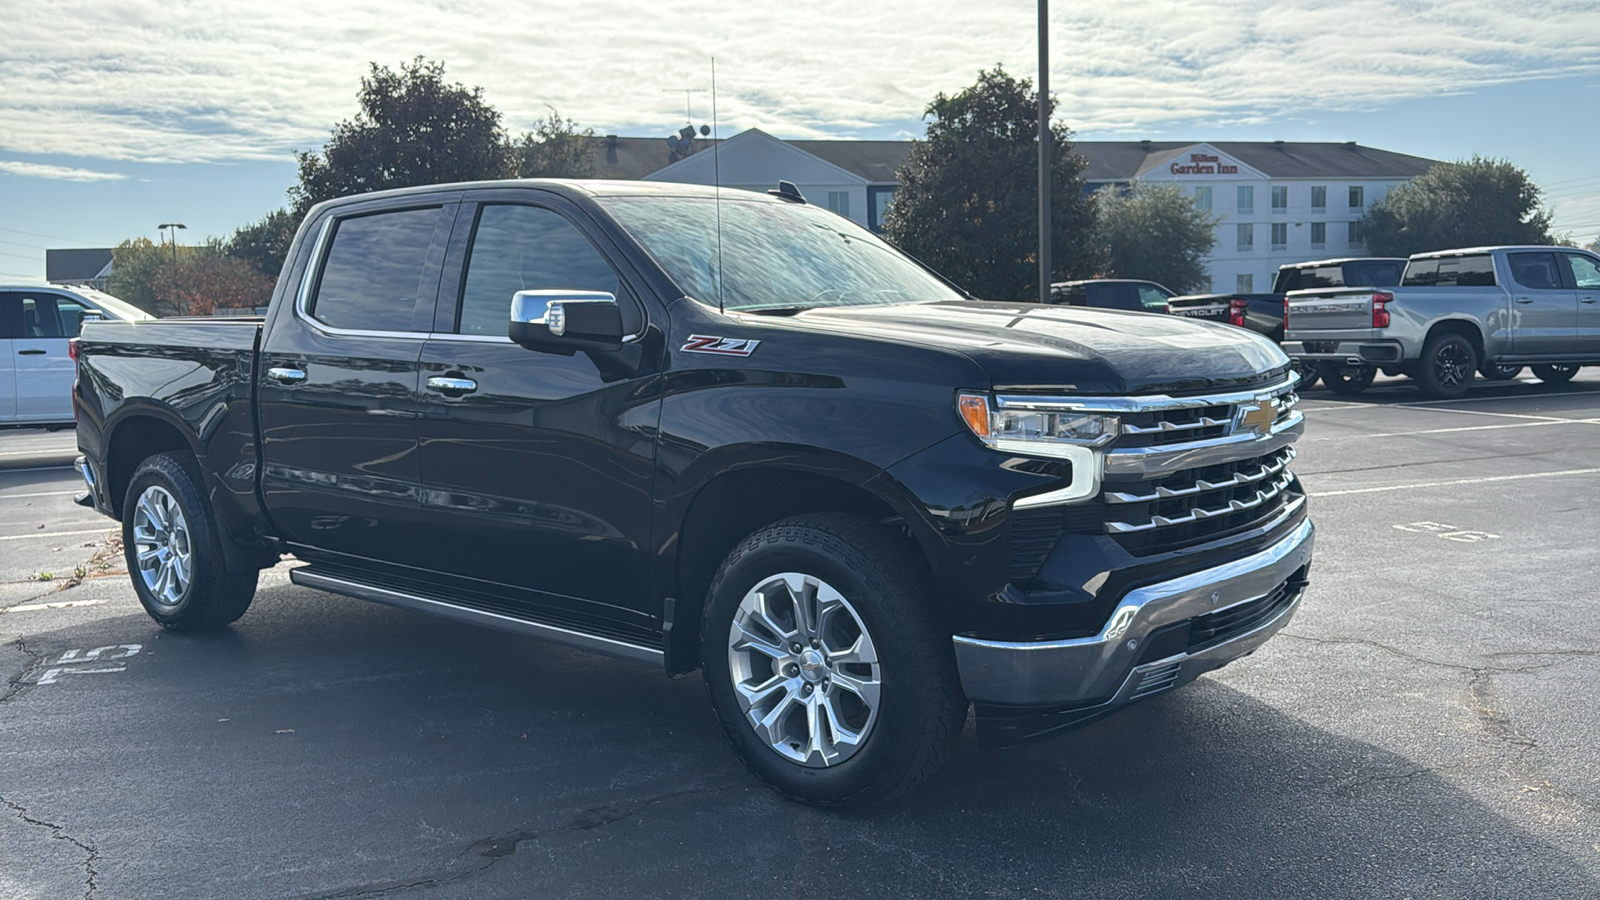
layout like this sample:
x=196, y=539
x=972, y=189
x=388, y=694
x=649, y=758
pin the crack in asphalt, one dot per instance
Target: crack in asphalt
x=60, y=834
x=15, y=684
x=483, y=854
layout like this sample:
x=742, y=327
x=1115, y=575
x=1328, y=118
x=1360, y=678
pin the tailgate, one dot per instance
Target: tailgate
x=1208, y=307
x=1329, y=312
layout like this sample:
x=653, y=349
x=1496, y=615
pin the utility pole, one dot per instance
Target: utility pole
x=1044, y=151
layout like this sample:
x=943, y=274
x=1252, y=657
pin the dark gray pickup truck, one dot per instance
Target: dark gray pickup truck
x=739, y=435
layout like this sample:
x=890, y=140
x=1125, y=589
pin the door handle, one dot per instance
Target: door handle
x=1524, y=299
x=286, y=376
x=452, y=385
x=32, y=352
x=1585, y=299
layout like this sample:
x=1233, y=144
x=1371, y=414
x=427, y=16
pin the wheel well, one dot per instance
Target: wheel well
x=134, y=441
x=1465, y=329
x=728, y=510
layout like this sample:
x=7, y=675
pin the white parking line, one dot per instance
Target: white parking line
x=1462, y=428
x=1429, y=484
x=56, y=534
x=1426, y=404
x=65, y=604
x=45, y=494
x=42, y=452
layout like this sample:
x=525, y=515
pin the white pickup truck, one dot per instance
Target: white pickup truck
x=1491, y=310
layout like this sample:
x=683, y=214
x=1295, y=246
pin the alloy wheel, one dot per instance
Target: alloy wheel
x=804, y=669
x=1452, y=365
x=162, y=547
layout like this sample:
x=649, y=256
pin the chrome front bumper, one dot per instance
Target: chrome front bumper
x=1103, y=671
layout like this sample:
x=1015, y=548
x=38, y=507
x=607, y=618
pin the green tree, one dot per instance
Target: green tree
x=412, y=129
x=555, y=148
x=968, y=202
x=1154, y=232
x=1471, y=203
x=264, y=244
x=185, y=281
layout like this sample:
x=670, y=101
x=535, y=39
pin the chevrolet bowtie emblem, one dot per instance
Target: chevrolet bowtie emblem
x=1255, y=416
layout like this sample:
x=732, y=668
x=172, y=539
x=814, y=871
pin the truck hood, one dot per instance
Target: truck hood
x=1028, y=346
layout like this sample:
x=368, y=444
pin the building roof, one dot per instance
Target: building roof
x=76, y=266
x=878, y=161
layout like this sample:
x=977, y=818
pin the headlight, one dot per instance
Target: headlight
x=1035, y=432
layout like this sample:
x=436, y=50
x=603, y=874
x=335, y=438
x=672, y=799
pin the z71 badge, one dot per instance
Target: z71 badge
x=705, y=343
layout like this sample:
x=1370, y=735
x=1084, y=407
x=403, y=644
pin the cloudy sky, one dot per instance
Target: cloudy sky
x=116, y=116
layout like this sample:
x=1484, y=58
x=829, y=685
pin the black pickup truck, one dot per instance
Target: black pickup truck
x=739, y=435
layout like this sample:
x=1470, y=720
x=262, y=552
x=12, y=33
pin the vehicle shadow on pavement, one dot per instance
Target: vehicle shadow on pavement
x=323, y=747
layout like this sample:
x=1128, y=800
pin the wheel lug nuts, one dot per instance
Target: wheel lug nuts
x=814, y=642
x=806, y=690
x=796, y=648
x=792, y=670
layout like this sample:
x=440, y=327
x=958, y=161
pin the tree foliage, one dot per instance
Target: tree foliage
x=1154, y=232
x=555, y=148
x=265, y=244
x=1471, y=203
x=188, y=281
x=412, y=129
x=968, y=202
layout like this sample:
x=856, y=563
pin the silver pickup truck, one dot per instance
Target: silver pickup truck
x=1491, y=310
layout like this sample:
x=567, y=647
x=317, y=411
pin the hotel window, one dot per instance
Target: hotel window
x=1244, y=284
x=1358, y=197
x=1280, y=199
x=1319, y=235
x=1319, y=197
x=1280, y=235
x=1202, y=197
x=1247, y=199
x=1356, y=239
x=1247, y=237
x=839, y=202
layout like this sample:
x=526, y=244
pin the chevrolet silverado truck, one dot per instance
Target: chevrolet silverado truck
x=1264, y=313
x=1490, y=310
x=743, y=436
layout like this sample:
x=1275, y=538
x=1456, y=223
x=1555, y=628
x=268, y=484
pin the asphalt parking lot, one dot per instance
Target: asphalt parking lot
x=1426, y=726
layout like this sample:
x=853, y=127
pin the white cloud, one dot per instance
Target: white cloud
x=58, y=173
x=214, y=80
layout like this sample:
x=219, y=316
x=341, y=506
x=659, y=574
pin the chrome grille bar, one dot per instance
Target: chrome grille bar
x=1204, y=422
x=1267, y=470
x=1270, y=492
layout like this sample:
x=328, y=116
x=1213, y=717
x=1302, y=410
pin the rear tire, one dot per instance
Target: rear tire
x=1495, y=372
x=827, y=664
x=1445, y=370
x=1308, y=373
x=1346, y=380
x=175, y=561
x=1555, y=374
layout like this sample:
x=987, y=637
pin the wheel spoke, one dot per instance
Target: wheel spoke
x=763, y=615
x=865, y=688
x=861, y=651
x=148, y=556
x=842, y=734
x=759, y=644
x=755, y=695
x=814, y=747
x=805, y=607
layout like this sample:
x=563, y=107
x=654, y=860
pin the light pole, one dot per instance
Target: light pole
x=173, y=227
x=1044, y=151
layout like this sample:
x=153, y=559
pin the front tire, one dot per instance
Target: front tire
x=1555, y=374
x=826, y=663
x=1346, y=380
x=1445, y=370
x=174, y=559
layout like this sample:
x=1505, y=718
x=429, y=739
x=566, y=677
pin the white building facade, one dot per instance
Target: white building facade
x=1276, y=202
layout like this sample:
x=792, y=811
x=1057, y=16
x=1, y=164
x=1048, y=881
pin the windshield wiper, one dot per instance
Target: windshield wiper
x=775, y=310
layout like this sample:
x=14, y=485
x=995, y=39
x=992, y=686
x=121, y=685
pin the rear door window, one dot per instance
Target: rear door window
x=1374, y=274
x=373, y=276
x=1535, y=271
x=1314, y=277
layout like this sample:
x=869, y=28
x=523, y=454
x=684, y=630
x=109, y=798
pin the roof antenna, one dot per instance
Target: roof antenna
x=716, y=177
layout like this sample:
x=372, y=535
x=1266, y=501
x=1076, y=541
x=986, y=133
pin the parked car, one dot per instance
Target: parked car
x=1129, y=294
x=37, y=322
x=745, y=436
x=1484, y=309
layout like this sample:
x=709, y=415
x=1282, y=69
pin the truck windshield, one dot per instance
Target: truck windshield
x=775, y=256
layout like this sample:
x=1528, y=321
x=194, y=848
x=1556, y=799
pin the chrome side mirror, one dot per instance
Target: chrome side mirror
x=565, y=321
